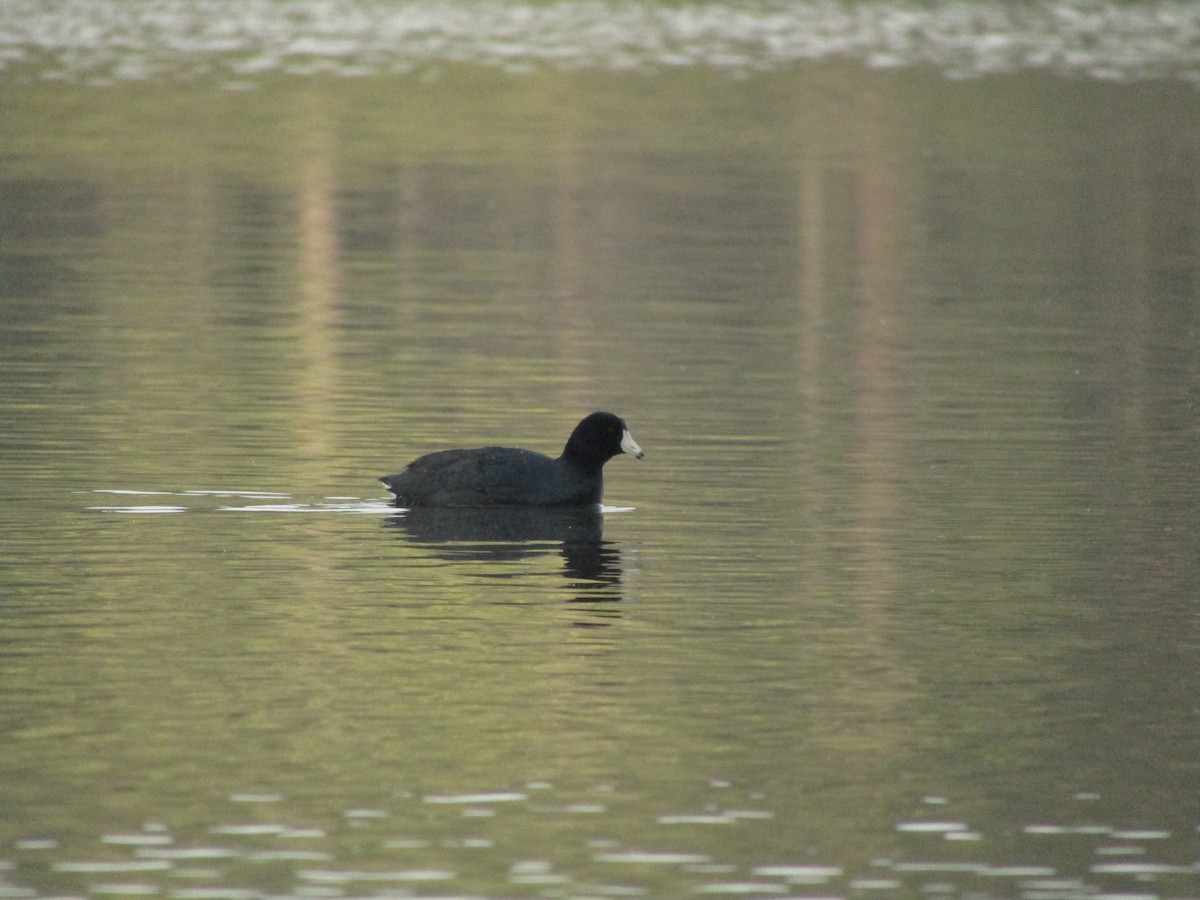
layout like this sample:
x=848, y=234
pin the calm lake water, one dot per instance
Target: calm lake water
x=903, y=601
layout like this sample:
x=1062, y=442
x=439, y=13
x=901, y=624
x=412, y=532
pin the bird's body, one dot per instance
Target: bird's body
x=490, y=476
x=508, y=476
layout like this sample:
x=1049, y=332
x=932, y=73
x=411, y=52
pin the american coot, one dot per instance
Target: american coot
x=505, y=476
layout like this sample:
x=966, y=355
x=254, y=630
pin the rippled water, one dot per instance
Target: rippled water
x=901, y=602
x=110, y=39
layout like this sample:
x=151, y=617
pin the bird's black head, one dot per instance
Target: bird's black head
x=598, y=438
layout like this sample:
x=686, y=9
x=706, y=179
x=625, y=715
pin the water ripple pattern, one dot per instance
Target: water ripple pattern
x=112, y=40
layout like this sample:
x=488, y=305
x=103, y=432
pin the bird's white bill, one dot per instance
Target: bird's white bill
x=629, y=445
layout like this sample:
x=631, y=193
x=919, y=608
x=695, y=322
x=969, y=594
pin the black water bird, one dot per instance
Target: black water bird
x=507, y=476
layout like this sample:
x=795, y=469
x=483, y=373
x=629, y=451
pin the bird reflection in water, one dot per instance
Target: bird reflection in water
x=592, y=566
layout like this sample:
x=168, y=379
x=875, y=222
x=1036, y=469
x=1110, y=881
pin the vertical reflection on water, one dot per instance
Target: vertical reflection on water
x=319, y=281
x=591, y=566
x=926, y=522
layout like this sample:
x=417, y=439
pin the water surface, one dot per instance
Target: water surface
x=902, y=601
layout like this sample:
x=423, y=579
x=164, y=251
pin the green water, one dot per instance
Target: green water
x=901, y=602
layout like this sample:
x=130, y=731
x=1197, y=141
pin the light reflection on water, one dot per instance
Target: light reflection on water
x=406, y=840
x=104, y=40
